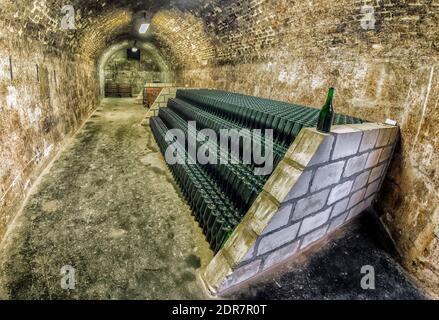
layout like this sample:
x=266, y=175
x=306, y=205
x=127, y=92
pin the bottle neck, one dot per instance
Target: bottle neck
x=330, y=95
x=328, y=103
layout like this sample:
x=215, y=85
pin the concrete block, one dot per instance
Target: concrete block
x=365, y=126
x=337, y=222
x=310, y=205
x=315, y=221
x=323, y=152
x=373, y=159
x=314, y=236
x=373, y=188
x=355, y=165
x=261, y=212
x=394, y=136
x=216, y=271
x=376, y=173
x=241, y=274
x=160, y=98
x=281, y=254
x=386, y=153
x=384, y=137
x=339, y=208
x=277, y=239
x=280, y=218
x=250, y=254
x=237, y=247
x=361, y=180
x=282, y=181
x=369, y=201
x=355, y=211
x=327, y=175
x=340, y=191
x=346, y=145
x=369, y=140
x=356, y=197
x=305, y=146
x=346, y=128
x=301, y=187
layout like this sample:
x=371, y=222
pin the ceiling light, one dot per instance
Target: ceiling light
x=143, y=28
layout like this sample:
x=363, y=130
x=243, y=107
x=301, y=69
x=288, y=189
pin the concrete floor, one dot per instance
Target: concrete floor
x=109, y=208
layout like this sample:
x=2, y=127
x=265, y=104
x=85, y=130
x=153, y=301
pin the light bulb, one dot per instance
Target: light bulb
x=134, y=49
x=143, y=28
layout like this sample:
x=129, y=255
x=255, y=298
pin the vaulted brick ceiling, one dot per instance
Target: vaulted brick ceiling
x=188, y=32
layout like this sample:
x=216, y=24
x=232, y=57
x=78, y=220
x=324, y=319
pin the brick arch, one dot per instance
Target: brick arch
x=101, y=31
x=179, y=30
x=183, y=37
x=191, y=34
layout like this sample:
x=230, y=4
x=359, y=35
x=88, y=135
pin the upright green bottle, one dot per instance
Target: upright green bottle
x=326, y=114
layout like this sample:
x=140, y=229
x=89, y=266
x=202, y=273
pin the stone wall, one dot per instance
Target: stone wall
x=293, y=50
x=323, y=181
x=45, y=95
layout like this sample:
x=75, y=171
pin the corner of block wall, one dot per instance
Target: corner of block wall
x=324, y=181
x=168, y=92
x=239, y=248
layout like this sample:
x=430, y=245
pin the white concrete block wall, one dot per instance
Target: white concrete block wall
x=161, y=101
x=341, y=180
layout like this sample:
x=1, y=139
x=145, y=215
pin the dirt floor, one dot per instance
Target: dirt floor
x=107, y=207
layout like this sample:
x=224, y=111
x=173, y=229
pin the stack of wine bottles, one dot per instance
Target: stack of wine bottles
x=220, y=194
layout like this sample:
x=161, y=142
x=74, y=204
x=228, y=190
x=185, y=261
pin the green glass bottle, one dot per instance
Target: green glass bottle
x=222, y=236
x=326, y=114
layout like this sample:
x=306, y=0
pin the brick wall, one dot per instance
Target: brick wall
x=183, y=38
x=323, y=182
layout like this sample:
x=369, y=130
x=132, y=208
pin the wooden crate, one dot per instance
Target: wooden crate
x=117, y=90
x=110, y=89
x=124, y=90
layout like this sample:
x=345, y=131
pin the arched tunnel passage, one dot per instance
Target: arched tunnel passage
x=164, y=72
x=106, y=188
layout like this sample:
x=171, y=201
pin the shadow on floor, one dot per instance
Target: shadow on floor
x=334, y=272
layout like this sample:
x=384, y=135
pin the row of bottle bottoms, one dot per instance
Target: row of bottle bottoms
x=236, y=180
